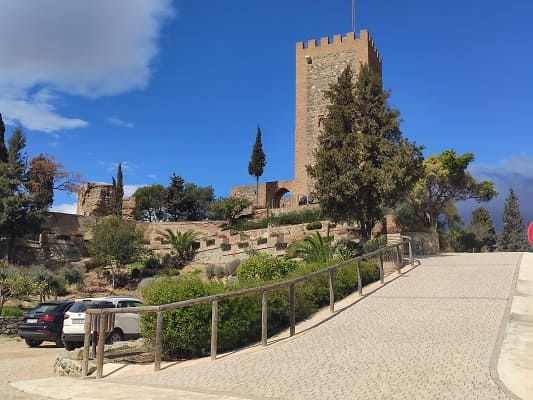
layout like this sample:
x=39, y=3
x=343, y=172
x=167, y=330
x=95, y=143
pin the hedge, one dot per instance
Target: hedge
x=187, y=332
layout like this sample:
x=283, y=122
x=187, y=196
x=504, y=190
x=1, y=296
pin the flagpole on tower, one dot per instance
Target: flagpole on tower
x=353, y=15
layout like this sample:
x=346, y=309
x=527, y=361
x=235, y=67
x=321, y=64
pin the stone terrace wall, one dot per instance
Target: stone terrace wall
x=8, y=325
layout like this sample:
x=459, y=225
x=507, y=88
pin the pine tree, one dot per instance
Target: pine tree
x=482, y=227
x=362, y=162
x=3, y=149
x=513, y=237
x=257, y=162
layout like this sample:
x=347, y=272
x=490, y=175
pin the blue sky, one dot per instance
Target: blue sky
x=180, y=86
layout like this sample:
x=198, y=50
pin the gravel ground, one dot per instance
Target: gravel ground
x=19, y=362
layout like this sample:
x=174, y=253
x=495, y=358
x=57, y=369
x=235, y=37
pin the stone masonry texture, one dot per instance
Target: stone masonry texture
x=429, y=334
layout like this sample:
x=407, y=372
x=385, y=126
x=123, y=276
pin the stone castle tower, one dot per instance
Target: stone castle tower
x=317, y=66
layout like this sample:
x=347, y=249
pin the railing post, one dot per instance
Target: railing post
x=411, y=259
x=381, y=273
x=359, y=279
x=214, y=329
x=332, y=290
x=264, y=318
x=102, y=322
x=292, y=300
x=158, y=341
x=398, y=260
x=86, y=345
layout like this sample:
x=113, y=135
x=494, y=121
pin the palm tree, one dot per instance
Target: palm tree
x=181, y=243
x=312, y=248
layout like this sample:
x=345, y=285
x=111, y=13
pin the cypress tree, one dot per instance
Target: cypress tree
x=513, y=237
x=257, y=162
x=117, y=193
x=3, y=149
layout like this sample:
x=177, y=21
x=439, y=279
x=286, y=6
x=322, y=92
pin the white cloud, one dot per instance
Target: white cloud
x=119, y=122
x=86, y=48
x=65, y=208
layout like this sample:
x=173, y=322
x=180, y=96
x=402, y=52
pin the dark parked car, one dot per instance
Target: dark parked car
x=44, y=323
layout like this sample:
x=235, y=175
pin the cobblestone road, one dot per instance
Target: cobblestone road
x=429, y=334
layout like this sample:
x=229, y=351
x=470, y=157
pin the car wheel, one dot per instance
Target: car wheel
x=33, y=342
x=115, y=336
x=70, y=345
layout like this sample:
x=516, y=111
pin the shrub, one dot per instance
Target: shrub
x=374, y=244
x=73, y=276
x=10, y=311
x=135, y=273
x=262, y=240
x=313, y=225
x=210, y=271
x=231, y=267
x=153, y=263
x=264, y=267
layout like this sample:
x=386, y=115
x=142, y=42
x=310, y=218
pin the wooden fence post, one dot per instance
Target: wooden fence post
x=264, y=318
x=332, y=290
x=359, y=279
x=102, y=323
x=292, y=300
x=158, y=341
x=214, y=329
x=381, y=273
x=86, y=345
x=399, y=260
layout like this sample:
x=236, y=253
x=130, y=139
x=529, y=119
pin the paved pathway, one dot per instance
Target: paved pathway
x=430, y=334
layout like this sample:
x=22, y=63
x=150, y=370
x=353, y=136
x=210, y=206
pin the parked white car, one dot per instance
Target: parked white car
x=126, y=326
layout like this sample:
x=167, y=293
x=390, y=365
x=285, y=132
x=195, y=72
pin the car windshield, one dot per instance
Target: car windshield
x=45, y=308
x=82, y=306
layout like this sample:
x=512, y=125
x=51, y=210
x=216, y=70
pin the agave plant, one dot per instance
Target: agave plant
x=312, y=248
x=181, y=242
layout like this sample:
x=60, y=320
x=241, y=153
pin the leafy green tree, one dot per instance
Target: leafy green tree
x=362, y=162
x=312, y=248
x=229, y=208
x=483, y=229
x=14, y=284
x=187, y=201
x=463, y=241
x=257, y=162
x=445, y=180
x=150, y=203
x=117, y=192
x=47, y=284
x=115, y=242
x=182, y=244
x=513, y=236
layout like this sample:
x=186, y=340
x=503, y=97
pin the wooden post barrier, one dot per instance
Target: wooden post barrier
x=158, y=341
x=332, y=290
x=264, y=318
x=102, y=322
x=292, y=301
x=359, y=279
x=398, y=260
x=86, y=345
x=214, y=329
x=381, y=273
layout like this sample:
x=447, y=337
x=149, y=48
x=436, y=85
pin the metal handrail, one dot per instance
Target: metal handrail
x=100, y=317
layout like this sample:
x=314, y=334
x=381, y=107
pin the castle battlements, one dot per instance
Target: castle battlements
x=338, y=42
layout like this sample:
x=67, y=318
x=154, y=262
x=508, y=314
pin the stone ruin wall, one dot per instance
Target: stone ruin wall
x=94, y=200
